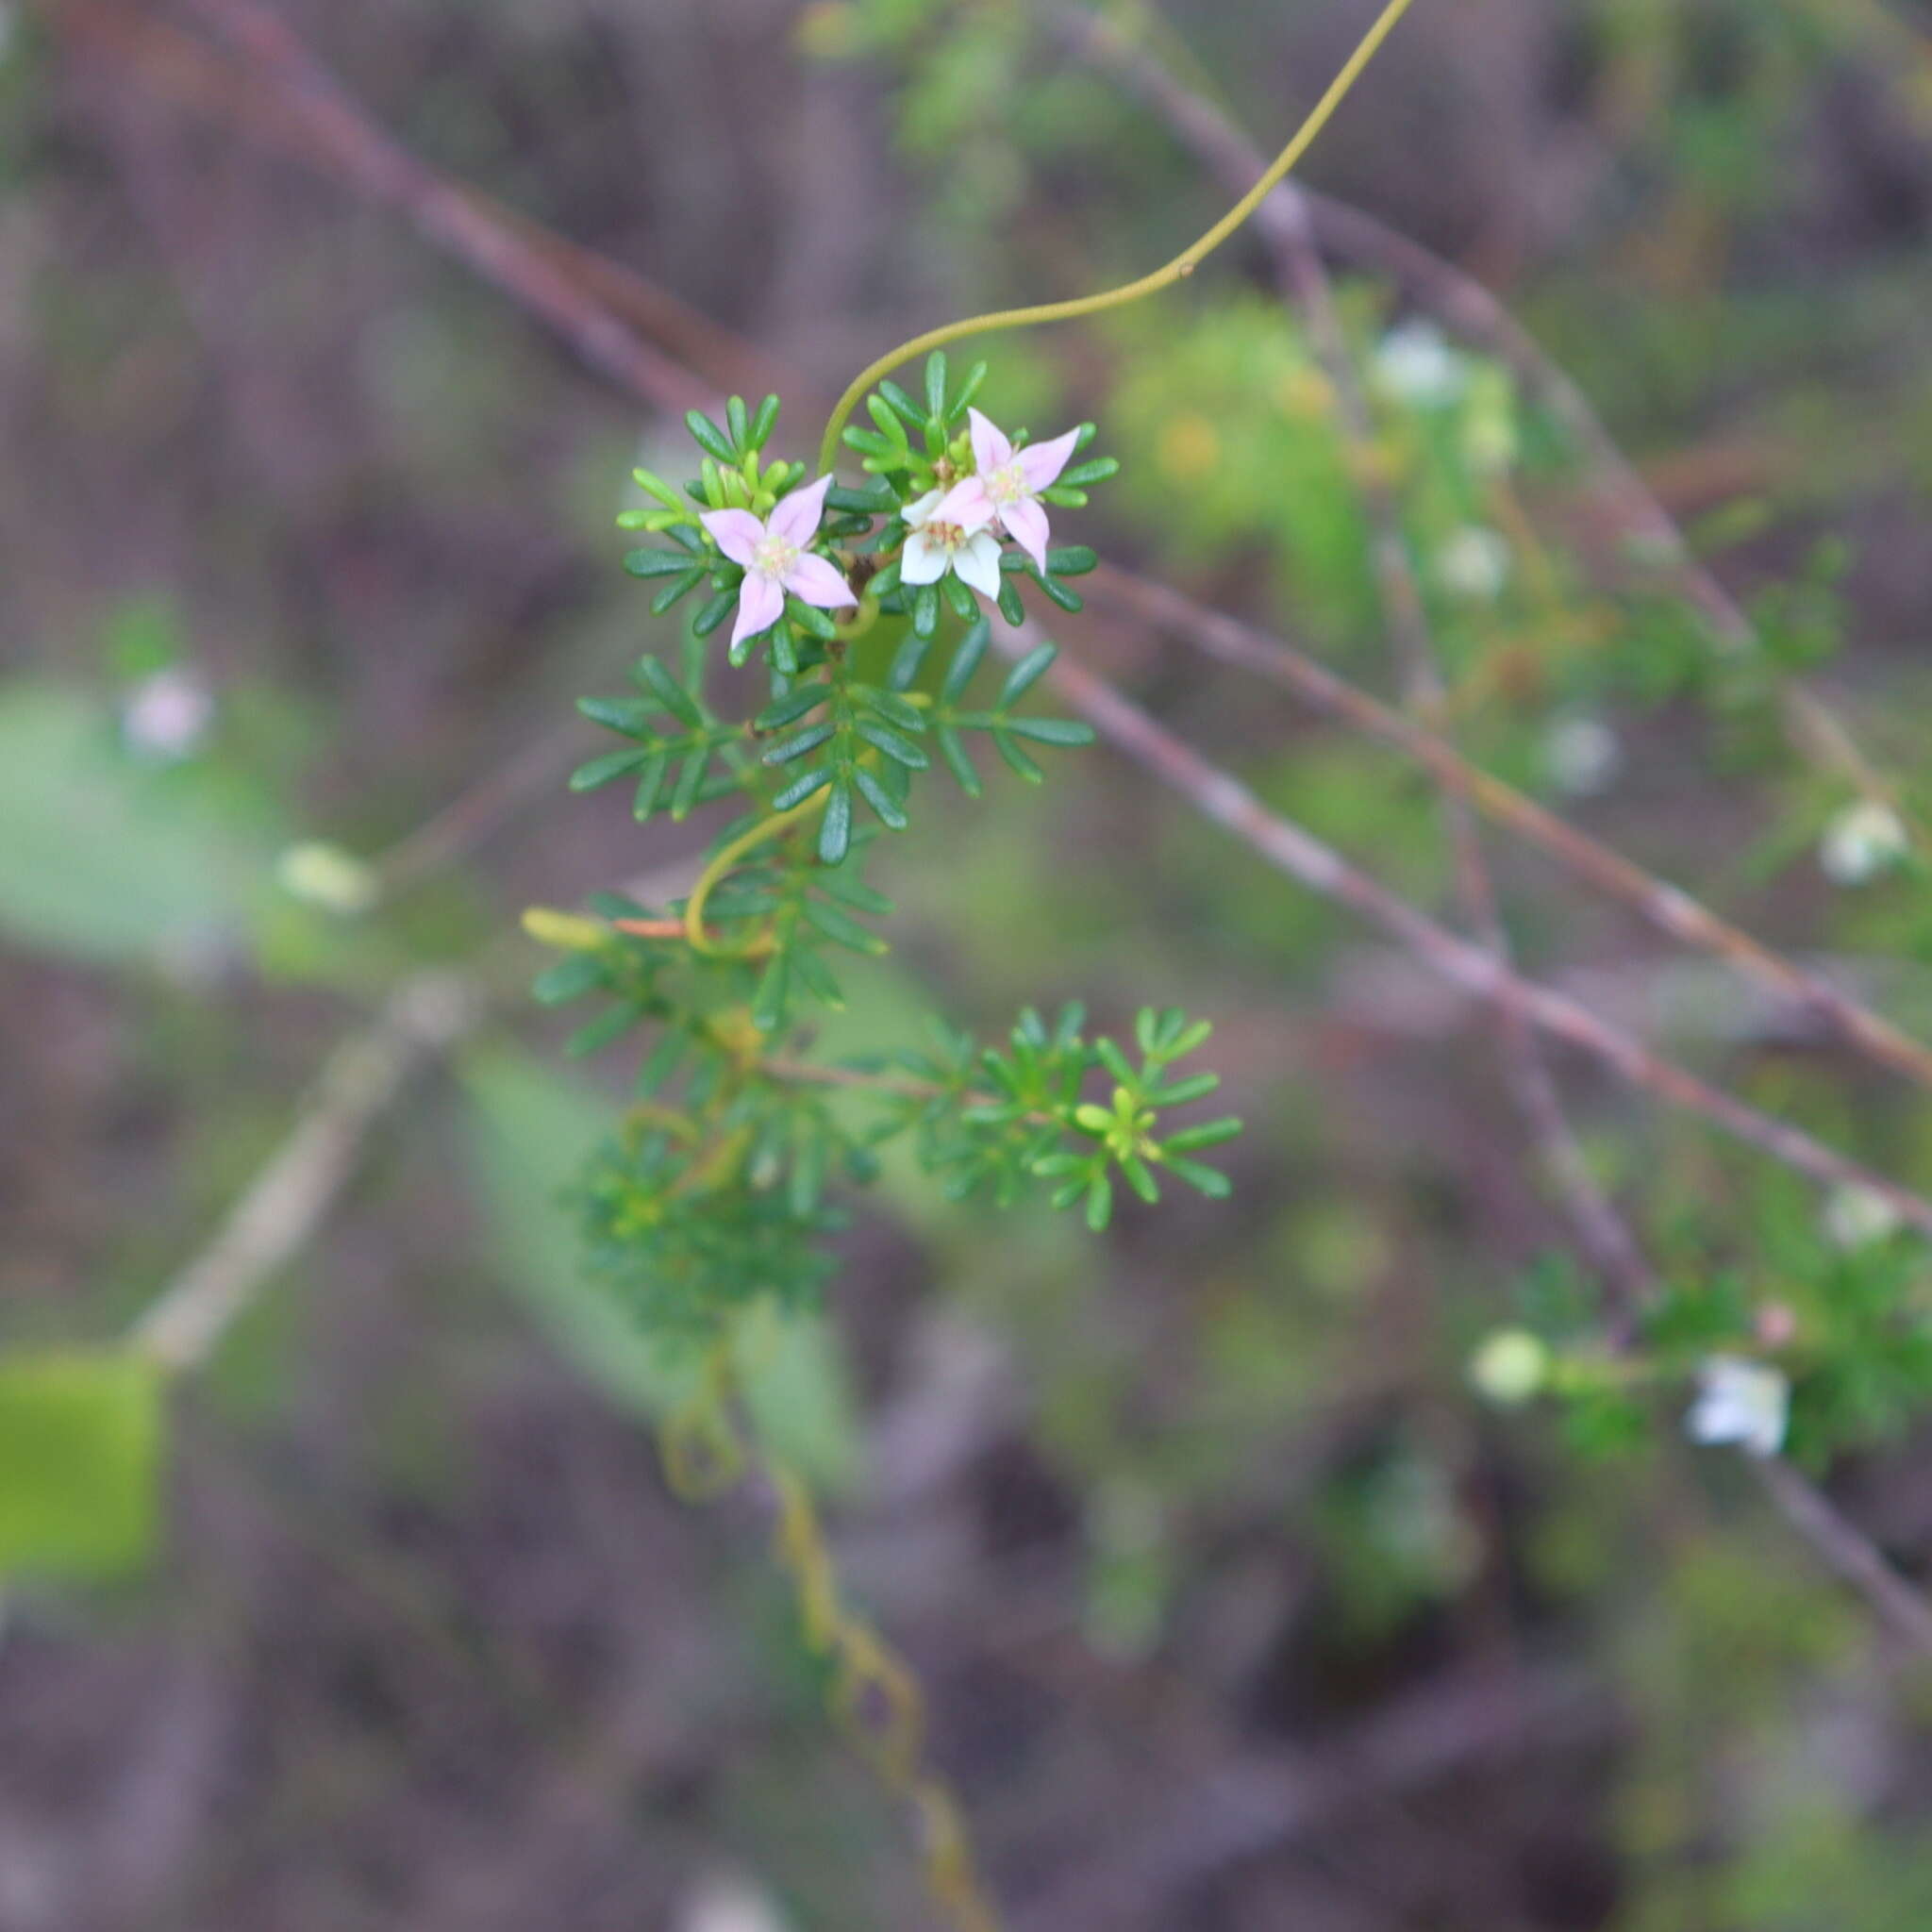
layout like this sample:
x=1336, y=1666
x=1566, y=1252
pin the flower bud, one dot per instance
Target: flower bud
x=1512, y=1367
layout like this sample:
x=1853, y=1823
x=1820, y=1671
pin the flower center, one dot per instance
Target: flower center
x=947, y=536
x=1008, y=485
x=773, y=557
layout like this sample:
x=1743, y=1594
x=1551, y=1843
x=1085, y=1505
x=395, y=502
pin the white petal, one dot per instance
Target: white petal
x=922, y=561
x=976, y=562
x=914, y=514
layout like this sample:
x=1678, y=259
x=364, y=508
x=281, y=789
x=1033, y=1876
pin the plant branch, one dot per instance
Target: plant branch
x=275, y=1220
x=1182, y=265
x=1298, y=852
x=1668, y=908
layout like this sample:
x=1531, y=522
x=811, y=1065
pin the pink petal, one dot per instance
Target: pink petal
x=1041, y=463
x=991, y=449
x=965, y=504
x=922, y=562
x=797, y=518
x=761, y=604
x=978, y=565
x=739, y=533
x=1026, y=525
x=817, y=582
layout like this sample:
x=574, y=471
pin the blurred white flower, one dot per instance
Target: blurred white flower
x=1858, y=1217
x=1861, y=841
x=1415, y=364
x=1510, y=1368
x=1583, y=757
x=728, y=1903
x=166, y=716
x=1740, y=1402
x=1474, y=563
x=325, y=875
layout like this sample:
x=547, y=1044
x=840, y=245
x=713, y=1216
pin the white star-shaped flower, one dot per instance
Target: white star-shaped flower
x=1740, y=1402
x=934, y=545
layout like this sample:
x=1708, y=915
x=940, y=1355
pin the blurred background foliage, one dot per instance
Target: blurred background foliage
x=1235, y=1607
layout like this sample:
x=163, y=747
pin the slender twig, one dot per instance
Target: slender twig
x=279, y=94
x=1298, y=853
x=281, y=1211
x=1281, y=220
x=1467, y=307
x=1858, y=1560
x=1668, y=908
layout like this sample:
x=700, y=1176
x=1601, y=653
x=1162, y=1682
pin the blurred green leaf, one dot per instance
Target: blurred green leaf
x=80, y=1443
x=99, y=856
x=530, y=1132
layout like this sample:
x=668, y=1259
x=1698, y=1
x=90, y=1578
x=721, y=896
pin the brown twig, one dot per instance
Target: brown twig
x=278, y=93
x=1469, y=310
x=1668, y=908
x=1283, y=223
x=275, y=1220
x=1303, y=857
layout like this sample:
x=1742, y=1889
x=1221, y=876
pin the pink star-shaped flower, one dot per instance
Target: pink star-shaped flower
x=1008, y=485
x=775, y=559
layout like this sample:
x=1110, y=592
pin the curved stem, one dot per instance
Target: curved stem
x=1183, y=264
x=701, y=941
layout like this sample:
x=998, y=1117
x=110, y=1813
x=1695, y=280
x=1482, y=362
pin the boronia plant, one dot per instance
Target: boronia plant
x=867, y=608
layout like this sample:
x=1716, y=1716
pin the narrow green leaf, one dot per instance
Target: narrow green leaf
x=954, y=751
x=714, y=613
x=926, y=610
x=1076, y=560
x=678, y=588
x=738, y=422
x=802, y=787
x=1024, y=675
x=796, y=746
x=767, y=1002
x=908, y=662
x=568, y=979
x=891, y=706
x=1008, y=749
x=1179, y=1092
x=1067, y=732
x=965, y=605
x=652, y=674
x=879, y=798
x=1211, y=1181
x=1099, y=1203
x=762, y=424
x=893, y=745
x=903, y=404
x=601, y=771
x=965, y=663
x=655, y=563
x=650, y=786
x=632, y=716
x=608, y=1027
x=1097, y=470
x=709, y=438
x=1208, y=1134
x=685, y=795
x=1012, y=609
x=969, y=391
x=835, y=834
x=792, y=707
x=843, y=930
x=936, y=384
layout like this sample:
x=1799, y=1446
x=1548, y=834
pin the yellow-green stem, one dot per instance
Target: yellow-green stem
x=1183, y=264
x=701, y=941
